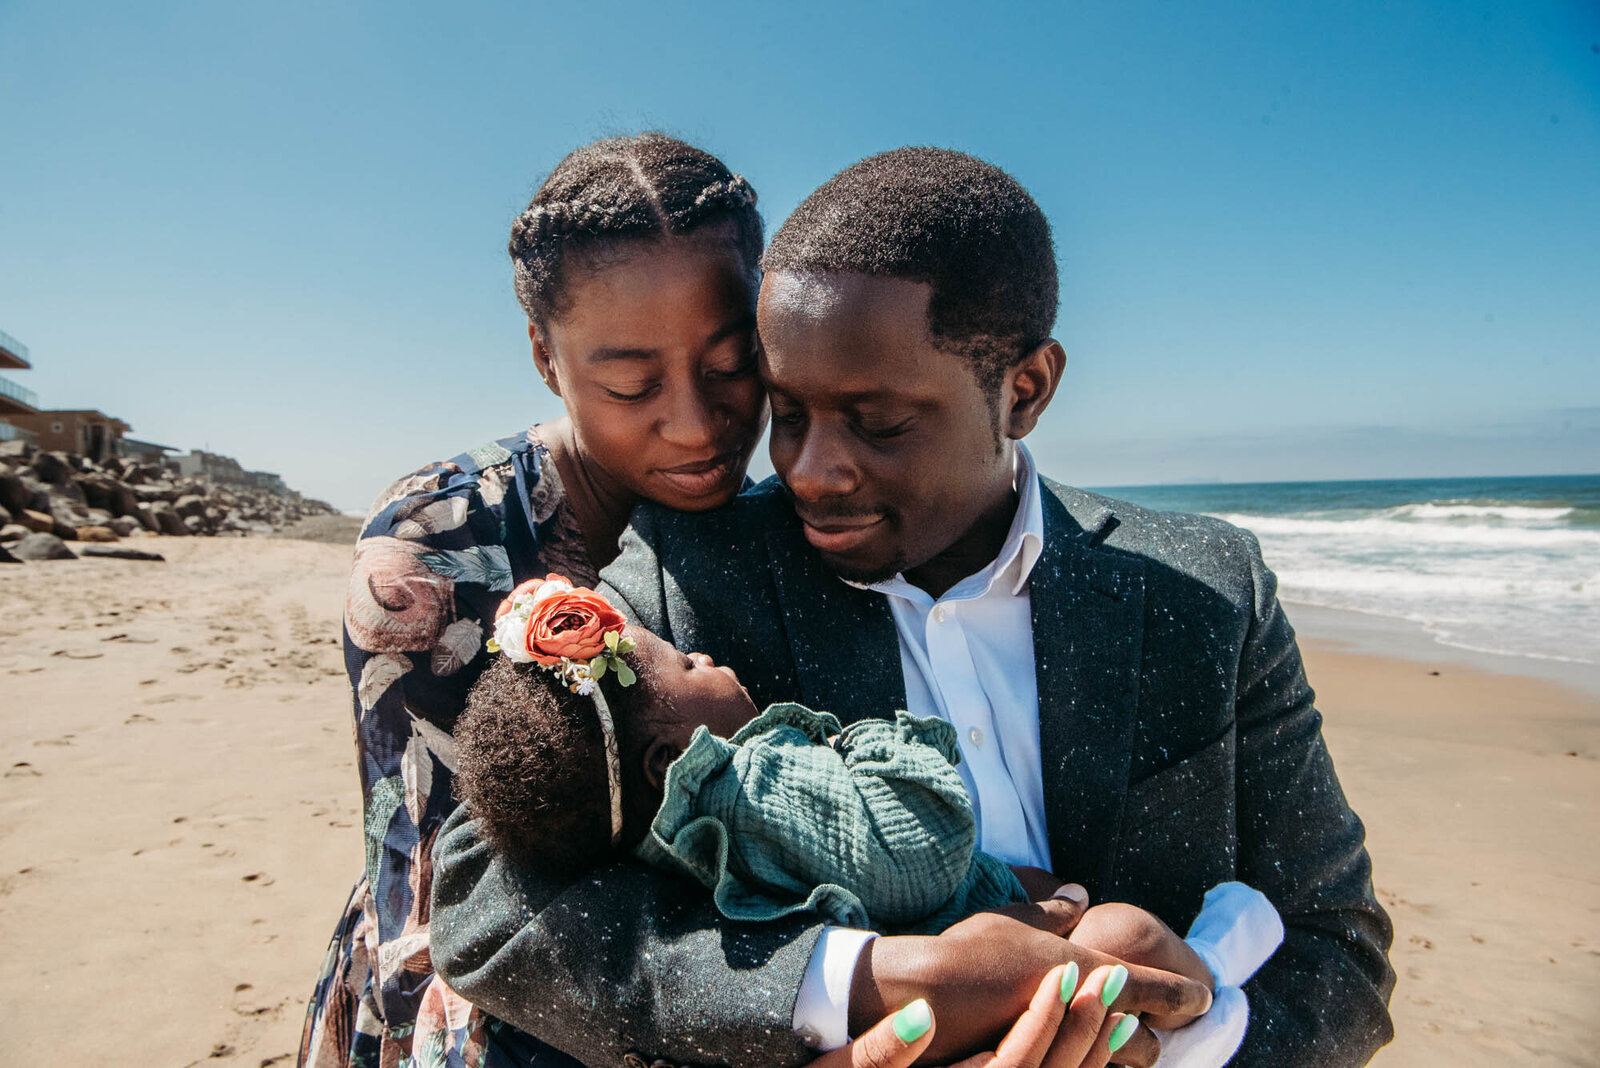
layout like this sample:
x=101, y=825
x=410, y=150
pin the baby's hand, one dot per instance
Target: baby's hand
x=1133, y=935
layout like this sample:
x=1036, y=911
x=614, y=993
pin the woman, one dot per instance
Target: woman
x=636, y=263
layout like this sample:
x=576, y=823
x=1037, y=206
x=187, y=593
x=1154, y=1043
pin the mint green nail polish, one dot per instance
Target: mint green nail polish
x=1122, y=1032
x=1069, y=982
x=913, y=1021
x=1114, y=984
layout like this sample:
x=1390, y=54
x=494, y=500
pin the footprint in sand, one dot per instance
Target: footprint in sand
x=23, y=770
x=260, y=878
x=138, y=717
x=65, y=739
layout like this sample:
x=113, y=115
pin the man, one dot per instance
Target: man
x=1130, y=700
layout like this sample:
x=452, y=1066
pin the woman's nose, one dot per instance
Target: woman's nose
x=691, y=421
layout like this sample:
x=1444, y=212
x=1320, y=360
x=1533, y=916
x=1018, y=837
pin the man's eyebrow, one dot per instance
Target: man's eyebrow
x=728, y=329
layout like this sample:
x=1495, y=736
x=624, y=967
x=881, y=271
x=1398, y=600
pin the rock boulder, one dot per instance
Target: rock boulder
x=38, y=546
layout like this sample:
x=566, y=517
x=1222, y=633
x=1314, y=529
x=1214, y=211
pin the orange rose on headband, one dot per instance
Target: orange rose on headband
x=573, y=631
x=571, y=624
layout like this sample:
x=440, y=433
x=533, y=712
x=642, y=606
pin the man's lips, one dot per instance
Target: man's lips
x=702, y=477
x=842, y=533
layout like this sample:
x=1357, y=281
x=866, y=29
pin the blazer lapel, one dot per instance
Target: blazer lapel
x=1088, y=629
x=846, y=650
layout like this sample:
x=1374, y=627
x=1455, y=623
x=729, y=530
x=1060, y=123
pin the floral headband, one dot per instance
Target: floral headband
x=576, y=635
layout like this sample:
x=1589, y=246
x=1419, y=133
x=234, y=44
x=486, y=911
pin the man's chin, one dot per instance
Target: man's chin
x=863, y=572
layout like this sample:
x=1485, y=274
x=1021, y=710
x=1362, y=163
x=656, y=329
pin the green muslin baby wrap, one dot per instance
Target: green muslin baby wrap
x=873, y=831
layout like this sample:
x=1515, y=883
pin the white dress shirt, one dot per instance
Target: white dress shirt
x=967, y=657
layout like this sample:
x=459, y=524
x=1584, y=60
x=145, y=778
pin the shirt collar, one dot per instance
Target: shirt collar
x=1011, y=568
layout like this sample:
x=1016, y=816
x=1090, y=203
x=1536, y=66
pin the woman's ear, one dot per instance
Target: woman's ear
x=1029, y=385
x=541, y=359
x=658, y=756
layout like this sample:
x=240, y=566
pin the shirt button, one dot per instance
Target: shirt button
x=975, y=736
x=939, y=614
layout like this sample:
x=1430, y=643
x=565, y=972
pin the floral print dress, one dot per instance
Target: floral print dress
x=440, y=549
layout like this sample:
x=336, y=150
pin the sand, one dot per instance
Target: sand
x=181, y=818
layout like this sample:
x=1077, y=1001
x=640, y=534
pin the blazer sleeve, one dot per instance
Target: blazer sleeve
x=1322, y=999
x=624, y=958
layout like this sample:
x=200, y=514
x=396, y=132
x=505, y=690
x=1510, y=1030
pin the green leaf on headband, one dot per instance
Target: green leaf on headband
x=626, y=645
x=597, y=667
x=625, y=675
x=611, y=639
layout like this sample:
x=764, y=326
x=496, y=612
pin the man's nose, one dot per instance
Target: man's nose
x=822, y=467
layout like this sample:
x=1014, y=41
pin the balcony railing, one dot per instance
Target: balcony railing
x=13, y=346
x=20, y=394
x=15, y=433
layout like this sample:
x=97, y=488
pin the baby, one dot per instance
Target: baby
x=591, y=738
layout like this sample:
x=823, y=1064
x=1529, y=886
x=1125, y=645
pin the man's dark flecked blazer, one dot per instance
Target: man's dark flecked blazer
x=1180, y=749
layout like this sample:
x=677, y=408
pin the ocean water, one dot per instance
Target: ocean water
x=1495, y=565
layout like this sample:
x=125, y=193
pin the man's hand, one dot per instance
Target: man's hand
x=1135, y=936
x=985, y=970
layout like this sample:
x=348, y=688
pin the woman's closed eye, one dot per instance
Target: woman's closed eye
x=739, y=366
x=634, y=392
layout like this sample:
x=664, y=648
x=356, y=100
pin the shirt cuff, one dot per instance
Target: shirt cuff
x=822, y=1009
x=1213, y=1039
x=1235, y=933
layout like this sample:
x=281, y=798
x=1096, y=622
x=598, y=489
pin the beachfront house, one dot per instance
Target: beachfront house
x=84, y=431
x=81, y=430
x=15, y=400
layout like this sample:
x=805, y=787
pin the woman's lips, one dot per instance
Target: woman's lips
x=703, y=477
x=840, y=535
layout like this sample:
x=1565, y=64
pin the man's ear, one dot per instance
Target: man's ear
x=541, y=359
x=1029, y=385
x=658, y=756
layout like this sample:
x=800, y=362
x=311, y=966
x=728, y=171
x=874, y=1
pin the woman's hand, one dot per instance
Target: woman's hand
x=1064, y=1026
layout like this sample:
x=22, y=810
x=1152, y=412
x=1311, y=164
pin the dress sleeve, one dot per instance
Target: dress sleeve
x=428, y=569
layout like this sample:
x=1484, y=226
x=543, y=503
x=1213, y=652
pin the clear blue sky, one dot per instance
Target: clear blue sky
x=1296, y=240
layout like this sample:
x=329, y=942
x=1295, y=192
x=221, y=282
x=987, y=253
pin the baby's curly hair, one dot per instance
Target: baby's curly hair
x=531, y=764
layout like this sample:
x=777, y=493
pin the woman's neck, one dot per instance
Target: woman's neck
x=600, y=505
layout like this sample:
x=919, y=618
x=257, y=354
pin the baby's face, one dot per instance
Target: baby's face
x=700, y=692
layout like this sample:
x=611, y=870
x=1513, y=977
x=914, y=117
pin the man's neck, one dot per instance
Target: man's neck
x=974, y=550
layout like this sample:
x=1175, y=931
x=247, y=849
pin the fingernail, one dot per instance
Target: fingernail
x=1113, y=987
x=1073, y=893
x=1069, y=982
x=913, y=1021
x=1122, y=1032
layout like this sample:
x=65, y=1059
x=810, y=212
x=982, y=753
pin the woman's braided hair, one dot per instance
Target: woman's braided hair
x=623, y=189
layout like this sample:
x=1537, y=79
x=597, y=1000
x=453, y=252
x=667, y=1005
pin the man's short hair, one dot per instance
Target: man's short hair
x=963, y=226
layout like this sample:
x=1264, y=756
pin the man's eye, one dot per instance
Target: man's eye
x=782, y=418
x=879, y=432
